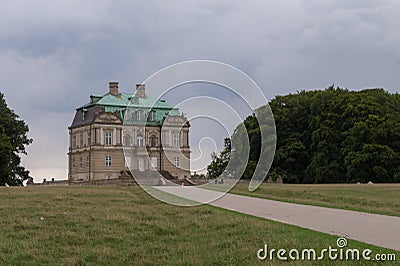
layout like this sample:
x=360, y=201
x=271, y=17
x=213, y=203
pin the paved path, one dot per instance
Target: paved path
x=380, y=230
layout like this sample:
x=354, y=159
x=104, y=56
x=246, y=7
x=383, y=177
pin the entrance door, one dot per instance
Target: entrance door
x=141, y=164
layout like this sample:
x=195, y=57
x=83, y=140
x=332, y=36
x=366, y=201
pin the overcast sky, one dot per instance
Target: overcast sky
x=54, y=54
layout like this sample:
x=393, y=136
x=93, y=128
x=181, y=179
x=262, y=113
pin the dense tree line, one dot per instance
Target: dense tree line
x=332, y=136
x=13, y=139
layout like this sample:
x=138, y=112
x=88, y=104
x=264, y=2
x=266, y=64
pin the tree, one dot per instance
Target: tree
x=219, y=163
x=330, y=136
x=13, y=140
x=375, y=162
x=5, y=157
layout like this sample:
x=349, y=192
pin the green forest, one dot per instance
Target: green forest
x=329, y=136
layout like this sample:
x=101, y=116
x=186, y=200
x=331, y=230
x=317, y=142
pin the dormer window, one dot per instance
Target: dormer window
x=134, y=100
x=84, y=111
x=139, y=115
x=152, y=116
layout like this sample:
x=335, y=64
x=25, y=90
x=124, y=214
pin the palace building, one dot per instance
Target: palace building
x=118, y=135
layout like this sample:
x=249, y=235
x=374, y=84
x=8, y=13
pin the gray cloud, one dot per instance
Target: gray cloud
x=54, y=54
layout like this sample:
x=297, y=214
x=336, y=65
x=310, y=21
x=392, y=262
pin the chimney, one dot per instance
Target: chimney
x=140, y=90
x=113, y=85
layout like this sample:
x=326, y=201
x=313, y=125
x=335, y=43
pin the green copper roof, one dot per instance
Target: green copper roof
x=119, y=103
x=121, y=100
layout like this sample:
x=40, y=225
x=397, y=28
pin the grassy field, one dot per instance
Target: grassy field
x=123, y=225
x=376, y=198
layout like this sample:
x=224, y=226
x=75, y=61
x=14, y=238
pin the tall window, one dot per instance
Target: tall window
x=108, y=161
x=73, y=162
x=139, y=141
x=127, y=140
x=175, y=140
x=89, y=138
x=74, y=141
x=153, y=141
x=81, y=140
x=152, y=116
x=80, y=162
x=139, y=115
x=177, y=161
x=108, y=138
x=87, y=161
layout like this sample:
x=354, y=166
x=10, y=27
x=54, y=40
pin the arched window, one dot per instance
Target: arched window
x=139, y=141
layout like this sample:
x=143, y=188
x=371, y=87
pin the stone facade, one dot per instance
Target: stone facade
x=118, y=132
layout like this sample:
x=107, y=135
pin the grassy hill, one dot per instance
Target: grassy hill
x=123, y=225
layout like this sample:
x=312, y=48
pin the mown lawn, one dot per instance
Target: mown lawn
x=110, y=225
x=375, y=198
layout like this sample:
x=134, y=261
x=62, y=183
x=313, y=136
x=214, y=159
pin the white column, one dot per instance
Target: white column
x=114, y=137
x=101, y=136
x=181, y=143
